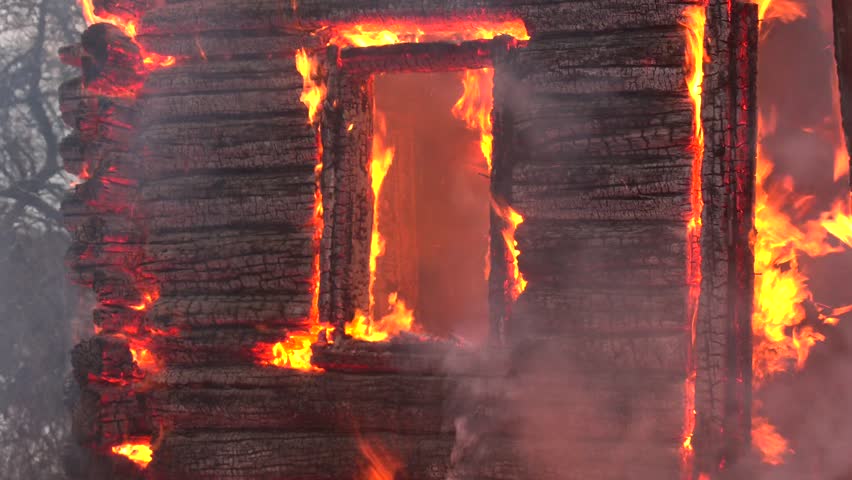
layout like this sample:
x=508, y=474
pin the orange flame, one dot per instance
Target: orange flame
x=515, y=282
x=139, y=453
x=295, y=351
x=695, y=18
x=371, y=34
x=782, y=10
x=144, y=359
x=781, y=341
x=313, y=93
x=475, y=105
x=399, y=319
x=150, y=61
x=382, y=465
x=780, y=287
x=148, y=299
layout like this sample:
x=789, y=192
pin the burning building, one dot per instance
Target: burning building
x=365, y=239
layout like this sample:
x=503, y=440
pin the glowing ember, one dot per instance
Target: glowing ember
x=150, y=61
x=144, y=359
x=370, y=34
x=139, y=453
x=475, y=105
x=400, y=319
x=294, y=352
x=695, y=18
x=148, y=299
x=381, y=464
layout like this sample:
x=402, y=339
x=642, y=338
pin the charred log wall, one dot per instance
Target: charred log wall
x=201, y=196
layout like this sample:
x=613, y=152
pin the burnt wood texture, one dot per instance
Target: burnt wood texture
x=195, y=228
x=843, y=54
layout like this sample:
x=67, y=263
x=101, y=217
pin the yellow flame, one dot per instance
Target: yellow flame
x=399, y=319
x=515, y=282
x=139, y=453
x=371, y=34
x=313, y=92
x=475, y=105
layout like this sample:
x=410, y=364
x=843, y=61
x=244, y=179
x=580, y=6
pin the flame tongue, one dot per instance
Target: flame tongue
x=139, y=453
x=475, y=105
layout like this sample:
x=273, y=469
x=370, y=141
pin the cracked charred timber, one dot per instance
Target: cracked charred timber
x=222, y=231
x=843, y=54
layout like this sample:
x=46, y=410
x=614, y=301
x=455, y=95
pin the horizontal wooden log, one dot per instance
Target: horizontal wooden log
x=406, y=404
x=332, y=457
x=227, y=105
x=560, y=16
x=247, y=309
x=546, y=308
x=107, y=414
x=199, y=45
x=661, y=351
x=426, y=57
x=224, y=146
x=407, y=353
x=102, y=358
x=277, y=73
x=212, y=347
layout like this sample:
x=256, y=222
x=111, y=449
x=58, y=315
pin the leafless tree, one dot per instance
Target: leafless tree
x=36, y=302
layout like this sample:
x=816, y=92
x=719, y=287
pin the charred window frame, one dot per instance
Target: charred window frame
x=347, y=134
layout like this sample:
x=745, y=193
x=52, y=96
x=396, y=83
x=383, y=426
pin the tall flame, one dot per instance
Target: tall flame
x=475, y=105
x=695, y=18
x=139, y=453
x=365, y=326
x=781, y=339
x=295, y=351
x=313, y=92
x=515, y=282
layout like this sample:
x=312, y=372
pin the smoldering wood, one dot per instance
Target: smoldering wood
x=204, y=185
x=723, y=346
x=347, y=194
x=843, y=54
